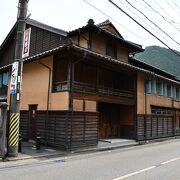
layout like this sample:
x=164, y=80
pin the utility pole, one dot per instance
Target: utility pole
x=15, y=85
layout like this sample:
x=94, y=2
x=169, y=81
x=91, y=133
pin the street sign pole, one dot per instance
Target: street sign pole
x=15, y=84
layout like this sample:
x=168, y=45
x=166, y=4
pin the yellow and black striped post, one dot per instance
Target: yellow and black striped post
x=15, y=84
x=13, y=134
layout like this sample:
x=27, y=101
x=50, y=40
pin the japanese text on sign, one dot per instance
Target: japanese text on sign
x=14, y=75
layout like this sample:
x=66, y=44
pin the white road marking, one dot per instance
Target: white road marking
x=146, y=169
x=171, y=160
x=134, y=173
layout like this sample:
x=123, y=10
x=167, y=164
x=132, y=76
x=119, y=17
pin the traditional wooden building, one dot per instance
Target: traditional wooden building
x=158, y=102
x=80, y=87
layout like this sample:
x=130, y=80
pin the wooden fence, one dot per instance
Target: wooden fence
x=154, y=126
x=63, y=129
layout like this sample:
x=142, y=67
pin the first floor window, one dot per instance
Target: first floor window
x=161, y=111
x=3, y=84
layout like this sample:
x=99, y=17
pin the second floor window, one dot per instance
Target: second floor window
x=111, y=48
x=177, y=93
x=169, y=90
x=147, y=86
x=159, y=88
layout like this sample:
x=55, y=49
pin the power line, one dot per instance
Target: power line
x=170, y=22
x=174, y=10
x=157, y=4
x=170, y=5
x=114, y=4
x=176, y=4
x=150, y=8
x=145, y=21
x=139, y=2
x=153, y=9
x=115, y=21
x=152, y=22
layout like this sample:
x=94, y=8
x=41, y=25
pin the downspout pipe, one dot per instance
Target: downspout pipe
x=49, y=82
x=145, y=99
x=72, y=78
x=72, y=90
x=48, y=97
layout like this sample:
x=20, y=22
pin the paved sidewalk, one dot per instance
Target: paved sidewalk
x=30, y=155
x=29, y=149
x=109, y=144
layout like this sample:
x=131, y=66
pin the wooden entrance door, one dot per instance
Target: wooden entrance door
x=32, y=122
x=109, y=121
x=104, y=123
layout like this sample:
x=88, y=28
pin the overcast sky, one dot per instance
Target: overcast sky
x=72, y=14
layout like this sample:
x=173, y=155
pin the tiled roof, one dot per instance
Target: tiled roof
x=101, y=57
x=161, y=58
x=149, y=67
x=36, y=24
x=104, y=23
x=46, y=27
x=108, y=22
x=95, y=27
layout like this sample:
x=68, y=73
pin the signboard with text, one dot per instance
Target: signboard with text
x=14, y=77
x=26, y=43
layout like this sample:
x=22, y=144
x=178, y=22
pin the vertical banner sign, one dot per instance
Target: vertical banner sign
x=14, y=75
x=26, y=43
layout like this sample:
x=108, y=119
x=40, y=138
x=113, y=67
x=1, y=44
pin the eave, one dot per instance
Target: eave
x=132, y=46
x=86, y=52
x=103, y=58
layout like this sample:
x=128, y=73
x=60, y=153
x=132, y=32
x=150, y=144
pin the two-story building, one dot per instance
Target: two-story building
x=158, y=101
x=80, y=87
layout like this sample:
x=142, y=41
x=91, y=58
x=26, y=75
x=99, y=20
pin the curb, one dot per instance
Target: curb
x=35, y=157
x=105, y=148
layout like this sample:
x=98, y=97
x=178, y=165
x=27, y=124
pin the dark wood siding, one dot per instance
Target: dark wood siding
x=43, y=40
x=24, y=124
x=51, y=131
x=56, y=129
x=47, y=39
x=7, y=54
x=84, y=129
x=59, y=131
x=154, y=126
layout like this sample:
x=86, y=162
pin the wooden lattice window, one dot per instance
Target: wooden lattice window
x=111, y=48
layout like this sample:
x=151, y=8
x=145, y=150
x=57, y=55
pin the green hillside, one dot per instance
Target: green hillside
x=161, y=58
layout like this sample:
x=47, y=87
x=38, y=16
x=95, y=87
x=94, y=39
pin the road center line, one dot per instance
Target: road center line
x=134, y=173
x=171, y=160
x=146, y=169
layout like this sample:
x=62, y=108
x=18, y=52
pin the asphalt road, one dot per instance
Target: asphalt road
x=153, y=161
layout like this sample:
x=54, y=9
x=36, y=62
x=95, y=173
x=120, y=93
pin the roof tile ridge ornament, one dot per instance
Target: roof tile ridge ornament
x=90, y=22
x=107, y=21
